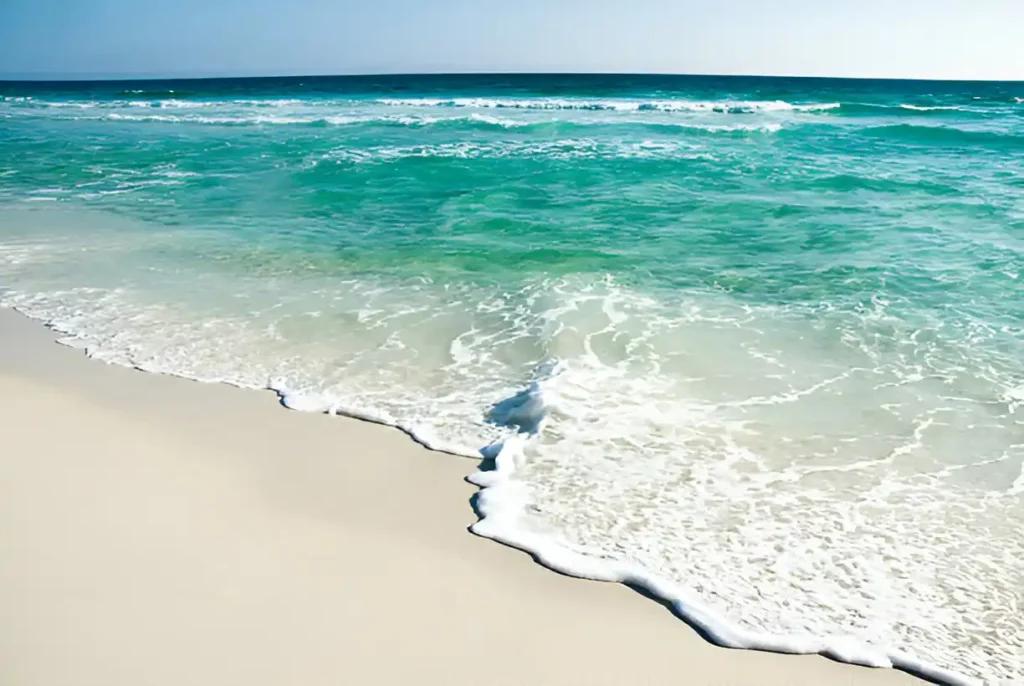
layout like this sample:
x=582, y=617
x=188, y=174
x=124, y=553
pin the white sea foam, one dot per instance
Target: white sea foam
x=502, y=501
x=176, y=174
x=619, y=105
x=648, y=432
x=59, y=104
x=425, y=112
x=942, y=108
x=498, y=121
x=142, y=117
x=726, y=128
x=561, y=149
x=419, y=120
x=526, y=421
x=166, y=104
x=923, y=108
x=242, y=120
x=253, y=119
x=333, y=111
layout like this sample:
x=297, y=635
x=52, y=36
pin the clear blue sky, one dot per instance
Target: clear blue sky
x=875, y=38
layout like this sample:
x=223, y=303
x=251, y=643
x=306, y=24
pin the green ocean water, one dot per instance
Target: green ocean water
x=757, y=343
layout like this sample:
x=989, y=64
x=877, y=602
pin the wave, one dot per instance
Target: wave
x=502, y=500
x=144, y=102
x=944, y=135
x=154, y=93
x=617, y=105
x=414, y=111
x=471, y=121
x=173, y=103
x=909, y=110
x=542, y=104
x=562, y=149
x=341, y=120
x=936, y=108
x=171, y=99
x=846, y=182
x=279, y=120
x=232, y=120
x=524, y=412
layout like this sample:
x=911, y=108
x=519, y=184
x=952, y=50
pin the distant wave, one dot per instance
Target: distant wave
x=936, y=108
x=617, y=105
x=909, y=110
x=234, y=120
x=945, y=135
x=846, y=182
x=340, y=120
x=468, y=121
x=147, y=102
x=143, y=100
x=560, y=149
x=171, y=99
x=153, y=93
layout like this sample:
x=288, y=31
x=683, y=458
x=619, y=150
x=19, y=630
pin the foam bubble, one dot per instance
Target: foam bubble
x=561, y=149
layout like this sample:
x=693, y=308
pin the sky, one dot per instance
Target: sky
x=952, y=39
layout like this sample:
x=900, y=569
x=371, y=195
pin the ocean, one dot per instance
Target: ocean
x=754, y=344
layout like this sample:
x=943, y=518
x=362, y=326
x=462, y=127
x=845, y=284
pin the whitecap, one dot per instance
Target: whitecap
x=614, y=104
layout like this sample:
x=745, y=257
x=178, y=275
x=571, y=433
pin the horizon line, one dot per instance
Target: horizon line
x=50, y=77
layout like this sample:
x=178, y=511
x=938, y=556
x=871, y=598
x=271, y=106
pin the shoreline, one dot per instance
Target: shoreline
x=207, y=455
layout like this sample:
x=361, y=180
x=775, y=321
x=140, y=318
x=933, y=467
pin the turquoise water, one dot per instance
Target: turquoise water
x=754, y=343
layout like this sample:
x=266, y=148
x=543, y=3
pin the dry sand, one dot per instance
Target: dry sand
x=158, y=531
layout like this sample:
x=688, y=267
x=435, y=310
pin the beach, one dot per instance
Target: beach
x=750, y=344
x=156, y=530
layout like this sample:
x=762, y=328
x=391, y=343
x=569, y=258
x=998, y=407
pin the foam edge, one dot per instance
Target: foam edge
x=497, y=506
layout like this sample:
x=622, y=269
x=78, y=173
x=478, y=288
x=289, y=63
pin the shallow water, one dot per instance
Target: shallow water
x=755, y=342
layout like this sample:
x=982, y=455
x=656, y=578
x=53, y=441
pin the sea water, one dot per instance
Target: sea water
x=756, y=345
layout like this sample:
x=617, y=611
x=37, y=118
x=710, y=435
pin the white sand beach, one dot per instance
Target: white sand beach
x=155, y=531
